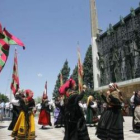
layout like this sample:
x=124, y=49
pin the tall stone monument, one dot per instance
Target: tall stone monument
x=94, y=34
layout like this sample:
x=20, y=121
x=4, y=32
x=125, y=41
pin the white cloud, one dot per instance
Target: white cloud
x=39, y=75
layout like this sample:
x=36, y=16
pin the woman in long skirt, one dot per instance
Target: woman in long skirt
x=75, y=123
x=59, y=112
x=44, y=116
x=110, y=126
x=91, y=110
x=24, y=128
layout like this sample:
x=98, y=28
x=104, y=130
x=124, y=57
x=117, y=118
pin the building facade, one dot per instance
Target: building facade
x=116, y=53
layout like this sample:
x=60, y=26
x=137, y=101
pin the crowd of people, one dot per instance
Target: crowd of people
x=76, y=116
x=5, y=109
x=71, y=113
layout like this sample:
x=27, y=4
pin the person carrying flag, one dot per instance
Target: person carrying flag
x=44, y=116
x=25, y=125
x=75, y=123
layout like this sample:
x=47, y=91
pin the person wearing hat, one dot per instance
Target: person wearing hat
x=25, y=125
x=75, y=123
x=110, y=125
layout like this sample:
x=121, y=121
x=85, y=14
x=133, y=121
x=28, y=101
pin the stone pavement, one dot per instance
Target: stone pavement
x=51, y=133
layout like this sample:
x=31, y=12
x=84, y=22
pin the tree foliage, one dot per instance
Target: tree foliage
x=65, y=73
x=88, y=68
x=38, y=99
x=74, y=75
x=4, y=98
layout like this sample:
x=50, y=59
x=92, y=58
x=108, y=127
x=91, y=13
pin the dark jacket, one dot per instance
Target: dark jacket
x=75, y=124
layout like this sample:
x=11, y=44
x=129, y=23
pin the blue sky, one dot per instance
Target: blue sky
x=50, y=30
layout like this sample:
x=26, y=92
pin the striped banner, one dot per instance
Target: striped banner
x=12, y=40
x=4, y=52
x=5, y=43
x=15, y=77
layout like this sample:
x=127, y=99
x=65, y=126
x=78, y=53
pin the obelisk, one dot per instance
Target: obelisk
x=94, y=32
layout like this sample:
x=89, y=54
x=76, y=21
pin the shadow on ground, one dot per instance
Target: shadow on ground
x=1, y=127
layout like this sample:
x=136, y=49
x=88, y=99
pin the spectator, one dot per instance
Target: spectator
x=137, y=112
x=38, y=107
x=7, y=109
x=10, y=110
x=2, y=106
x=59, y=112
x=133, y=108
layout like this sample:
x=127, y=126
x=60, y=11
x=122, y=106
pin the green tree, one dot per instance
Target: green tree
x=56, y=88
x=88, y=68
x=4, y=98
x=74, y=75
x=38, y=99
x=65, y=73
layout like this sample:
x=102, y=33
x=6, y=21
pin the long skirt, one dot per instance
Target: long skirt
x=110, y=125
x=14, y=119
x=91, y=113
x=44, y=118
x=21, y=131
x=76, y=130
x=59, y=116
x=89, y=116
x=56, y=115
x=137, y=117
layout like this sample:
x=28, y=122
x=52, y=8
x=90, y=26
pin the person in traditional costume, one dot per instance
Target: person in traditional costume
x=44, y=116
x=16, y=108
x=137, y=112
x=110, y=126
x=75, y=123
x=91, y=115
x=25, y=126
x=59, y=112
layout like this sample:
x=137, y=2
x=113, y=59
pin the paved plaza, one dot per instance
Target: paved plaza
x=51, y=133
